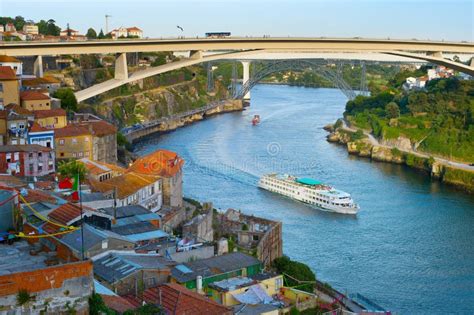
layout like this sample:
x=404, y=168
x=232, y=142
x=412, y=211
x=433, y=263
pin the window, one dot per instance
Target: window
x=61, y=141
x=255, y=237
x=80, y=154
x=30, y=155
x=86, y=153
x=16, y=156
x=74, y=140
x=73, y=154
x=1, y=87
x=9, y=157
x=21, y=125
x=56, y=120
x=40, y=167
x=105, y=244
x=61, y=154
x=40, y=154
x=86, y=139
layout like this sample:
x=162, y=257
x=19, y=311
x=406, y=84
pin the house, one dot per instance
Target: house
x=9, y=27
x=2, y=28
x=30, y=29
x=73, y=141
x=200, y=227
x=52, y=286
x=176, y=299
x=128, y=272
x=104, y=140
x=51, y=119
x=69, y=32
x=26, y=160
x=134, y=32
x=119, y=32
x=45, y=83
x=100, y=171
x=41, y=136
x=132, y=189
x=214, y=269
x=35, y=101
x=12, y=62
x=17, y=121
x=9, y=87
x=168, y=165
x=230, y=292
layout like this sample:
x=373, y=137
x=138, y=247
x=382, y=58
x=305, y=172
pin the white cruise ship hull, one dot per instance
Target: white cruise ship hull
x=316, y=198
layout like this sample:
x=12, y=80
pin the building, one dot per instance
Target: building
x=132, y=189
x=35, y=101
x=168, y=165
x=26, y=160
x=55, y=288
x=12, y=62
x=255, y=235
x=41, y=136
x=8, y=204
x=9, y=27
x=45, y=83
x=176, y=299
x=100, y=171
x=128, y=272
x=230, y=292
x=72, y=142
x=119, y=32
x=17, y=122
x=51, y=119
x=215, y=269
x=134, y=32
x=9, y=87
x=69, y=32
x=2, y=28
x=104, y=140
x=200, y=227
x=30, y=29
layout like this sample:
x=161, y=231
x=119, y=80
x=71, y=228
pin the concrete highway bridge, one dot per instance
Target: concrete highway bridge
x=246, y=49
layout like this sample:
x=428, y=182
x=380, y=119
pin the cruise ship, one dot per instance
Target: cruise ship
x=309, y=191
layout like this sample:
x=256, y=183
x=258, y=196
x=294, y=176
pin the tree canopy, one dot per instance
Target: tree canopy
x=67, y=97
x=300, y=275
x=91, y=33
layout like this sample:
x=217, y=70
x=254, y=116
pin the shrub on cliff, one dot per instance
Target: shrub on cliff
x=296, y=273
x=68, y=99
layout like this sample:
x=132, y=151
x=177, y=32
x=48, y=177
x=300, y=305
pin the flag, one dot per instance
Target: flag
x=65, y=183
x=75, y=188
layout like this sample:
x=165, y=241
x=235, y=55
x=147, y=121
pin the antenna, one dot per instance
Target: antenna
x=107, y=23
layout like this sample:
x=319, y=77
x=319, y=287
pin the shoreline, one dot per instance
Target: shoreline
x=367, y=146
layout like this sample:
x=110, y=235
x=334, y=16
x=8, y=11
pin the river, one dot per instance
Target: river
x=410, y=248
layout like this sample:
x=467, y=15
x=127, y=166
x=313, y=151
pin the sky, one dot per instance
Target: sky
x=450, y=20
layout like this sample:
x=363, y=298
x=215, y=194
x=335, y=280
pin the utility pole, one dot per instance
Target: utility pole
x=107, y=23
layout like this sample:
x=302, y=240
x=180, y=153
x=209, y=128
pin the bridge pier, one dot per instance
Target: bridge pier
x=121, y=69
x=245, y=79
x=38, y=67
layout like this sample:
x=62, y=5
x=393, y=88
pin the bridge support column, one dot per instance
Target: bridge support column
x=38, y=67
x=121, y=70
x=245, y=79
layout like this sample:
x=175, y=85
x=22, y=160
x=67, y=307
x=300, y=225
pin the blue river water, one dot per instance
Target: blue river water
x=410, y=248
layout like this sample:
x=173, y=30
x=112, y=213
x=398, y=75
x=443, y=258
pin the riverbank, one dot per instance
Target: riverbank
x=364, y=144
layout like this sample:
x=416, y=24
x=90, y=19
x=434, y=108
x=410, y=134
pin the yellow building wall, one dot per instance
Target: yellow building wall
x=227, y=298
x=52, y=122
x=36, y=104
x=10, y=92
x=76, y=147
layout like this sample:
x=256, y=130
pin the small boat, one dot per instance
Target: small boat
x=310, y=191
x=256, y=120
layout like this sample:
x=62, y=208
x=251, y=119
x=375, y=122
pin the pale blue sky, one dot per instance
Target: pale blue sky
x=422, y=19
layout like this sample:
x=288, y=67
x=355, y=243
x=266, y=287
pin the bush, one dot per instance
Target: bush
x=68, y=99
x=296, y=272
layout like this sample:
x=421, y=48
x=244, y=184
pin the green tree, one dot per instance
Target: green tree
x=67, y=97
x=71, y=169
x=392, y=110
x=52, y=29
x=97, y=305
x=91, y=33
x=101, y=34
x=296, y=273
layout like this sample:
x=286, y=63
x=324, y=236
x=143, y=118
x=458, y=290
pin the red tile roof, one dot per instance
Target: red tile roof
x=100, y=128
x=176, y=299
x=65, y=213
x=71, y=131
x=18, y=109
x=5, y=58
x=24, y=148
x=39, y=196
x=32, y=96
x=117, y=303
x=50, y=113
x=161, y=163
x=39, y=81
x=7, y=73
x=37, y=128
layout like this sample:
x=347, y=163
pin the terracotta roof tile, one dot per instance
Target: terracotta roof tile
x=100, y=128
x=5, y=58
x=71, y=131
x=39, y=196
x=24, y=148
x=161, y=163
x=176, y=299
x=117, y=303
x=18, y=109
x=65, y=213
x=39, y=81
x=7, y=73
x=50, y=113
x=126, y=184
x=32, y=96
x=96, y=167
x=37, y=128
